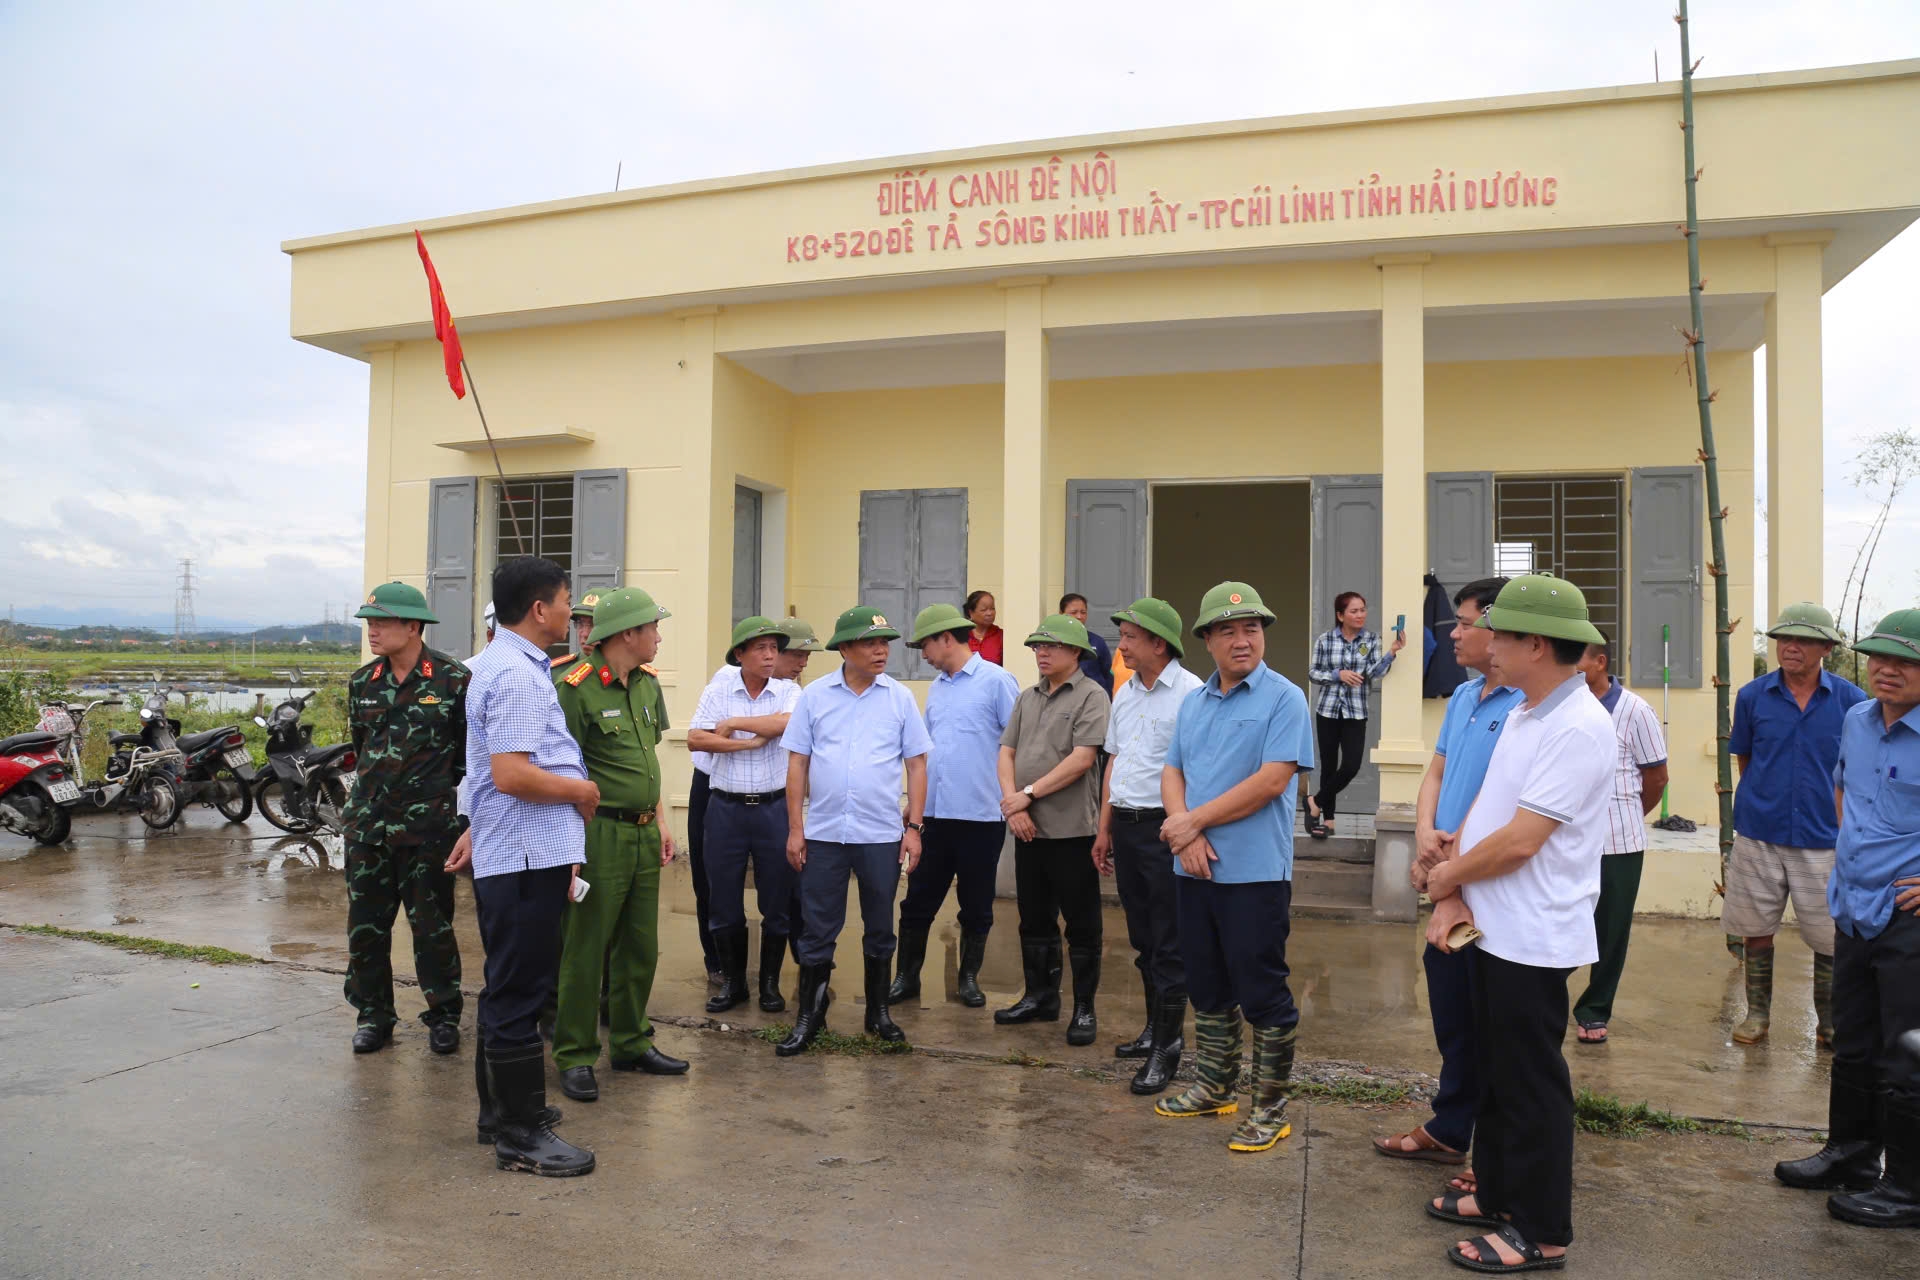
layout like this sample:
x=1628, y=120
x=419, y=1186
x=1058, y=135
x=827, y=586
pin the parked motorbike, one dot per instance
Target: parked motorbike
x=214, y=768
x=36, y=794
x=302, y=788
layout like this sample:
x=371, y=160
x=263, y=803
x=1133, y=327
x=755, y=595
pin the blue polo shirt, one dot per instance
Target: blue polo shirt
x=1467, y=737
x=1783, y=796
x=1221, y=740
x=966, y=714
x=1879, y=776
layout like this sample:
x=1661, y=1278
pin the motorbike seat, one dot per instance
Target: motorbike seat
x=193, y=742
x=34, y=741
x=123, y=739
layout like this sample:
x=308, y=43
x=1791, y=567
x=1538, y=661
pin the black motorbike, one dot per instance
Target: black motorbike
x=214, y=767
x=302, y=788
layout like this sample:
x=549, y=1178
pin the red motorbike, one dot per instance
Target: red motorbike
x=35, y=792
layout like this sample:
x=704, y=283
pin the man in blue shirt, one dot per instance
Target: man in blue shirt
x=1228, y=788
x=1786, y=736
x=1875, y=899
x=1476, y=712
x=968, y=707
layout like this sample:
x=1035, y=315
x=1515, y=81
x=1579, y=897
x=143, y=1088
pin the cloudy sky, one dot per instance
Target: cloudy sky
x=152, y=405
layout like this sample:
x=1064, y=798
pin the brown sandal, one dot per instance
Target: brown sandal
x=1424, y=1148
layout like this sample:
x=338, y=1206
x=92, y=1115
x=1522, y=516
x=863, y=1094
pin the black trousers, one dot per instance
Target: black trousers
x=1450, y=1000
x=697, y=861
x=953, y=849
x=1234, y=940
x=823, y=892
x=1523, y=1142
x=1343, y=749
x=736, y=835
x=520, y=919
x=1055, y=879
x=1143, y=873
x=1876, y=998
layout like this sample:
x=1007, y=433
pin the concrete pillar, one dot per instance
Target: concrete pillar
x=380, y=360
x=703, y=592
x=1796, y=492
x=1023, y=575
x=1402, y=753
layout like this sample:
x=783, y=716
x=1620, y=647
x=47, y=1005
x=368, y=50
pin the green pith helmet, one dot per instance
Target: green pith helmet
x=800, y=636
x=396, y=600
x=750, y=629
x=938, y=619
x=1231, y=600
x=1058, y=628
x=1805, y=621
x=1897, y=636
x=1156, y=616
x=1537, y=604
x=588, y=601
x=622, y=609
x=862, y=622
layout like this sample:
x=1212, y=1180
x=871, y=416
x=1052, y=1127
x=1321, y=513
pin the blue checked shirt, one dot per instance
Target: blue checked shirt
x=1334, y=653
x=511, y=709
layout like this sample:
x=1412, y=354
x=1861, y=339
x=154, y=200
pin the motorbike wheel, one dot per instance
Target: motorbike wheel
x=279, y=804
x=228, y=794
x=327, y=801
x=160, y=801
x=58, y=823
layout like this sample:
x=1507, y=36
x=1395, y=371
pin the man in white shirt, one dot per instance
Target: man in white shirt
x=1128, y=844
x=740, y=719
x=1639, y=776
x=1527, y=876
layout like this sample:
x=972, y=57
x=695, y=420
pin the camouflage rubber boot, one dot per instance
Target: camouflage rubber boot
x=1759, y=996
x=1266, y=1121
x=1736, y=946
x=1823, y=1000
x=1216, y=1085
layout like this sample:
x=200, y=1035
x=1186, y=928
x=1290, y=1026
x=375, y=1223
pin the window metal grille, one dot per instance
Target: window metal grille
x=545, y=508
x=1572, y=528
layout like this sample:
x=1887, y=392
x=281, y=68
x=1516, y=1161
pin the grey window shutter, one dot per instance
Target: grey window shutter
x=886, y=563
x=599, y=530
x=1459, y=527
x=452, y=511
x=1346, y=529
x=746, y=552
x=1666, y=514
x=939, y=560
x=1106, y=547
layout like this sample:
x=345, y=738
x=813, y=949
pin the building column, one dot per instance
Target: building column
x=1023, y=542
x=1402, y=753
x=375, y=555
x=1796, y=491
x=702, y=597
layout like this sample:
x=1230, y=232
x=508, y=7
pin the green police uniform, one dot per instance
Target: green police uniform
x=618, y=726
x=401, y=822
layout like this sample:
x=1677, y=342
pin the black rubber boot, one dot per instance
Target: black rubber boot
x=773, y=954
x=487, y=1126
x=879, y=1021
x=523, y=1140
x=730, y=945
x=1083, y=1027
x=811, y=1003
x=1169, y=1019
x=1851, y=1159
x=907, y=961
x=973, y=953
x=1141, y=1045
x=1041, y=1003
x=1893, y=1201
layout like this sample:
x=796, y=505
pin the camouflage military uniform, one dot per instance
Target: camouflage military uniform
x=401, y=824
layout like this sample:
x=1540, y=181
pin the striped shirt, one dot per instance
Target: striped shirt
x=1334, y=653
x=512, y=709
x=762, y=769
x=1642, y=746
x=703, y=760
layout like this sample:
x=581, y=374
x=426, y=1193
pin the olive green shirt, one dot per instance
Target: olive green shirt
x=618, y=727
x=1044, y=730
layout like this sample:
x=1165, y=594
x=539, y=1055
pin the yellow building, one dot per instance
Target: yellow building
x=1320, y=353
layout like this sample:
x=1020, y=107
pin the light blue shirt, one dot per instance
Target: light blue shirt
x=1220, y=741
x=1879, y=777
x=856, y=745
x=966, y=714
x=1139, y=732
x=512, y=709
x=1467, y=737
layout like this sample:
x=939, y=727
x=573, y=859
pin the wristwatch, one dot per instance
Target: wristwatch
x=1027, y=791
x=920, y=827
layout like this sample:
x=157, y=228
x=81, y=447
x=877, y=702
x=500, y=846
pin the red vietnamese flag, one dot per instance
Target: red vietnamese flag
x=443, y=323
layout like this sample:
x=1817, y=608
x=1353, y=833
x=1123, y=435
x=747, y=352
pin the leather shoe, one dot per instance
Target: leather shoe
x=654, y=1063
x=578, y=1083
x=443, y=1037
x=368, y=1038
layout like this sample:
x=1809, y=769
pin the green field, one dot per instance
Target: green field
x=263, y=668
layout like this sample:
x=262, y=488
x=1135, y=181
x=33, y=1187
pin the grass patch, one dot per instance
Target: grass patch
x=142, y=946
x=1605, y=1114
x=1021, y=1058
x=860, y=1046
x=1358, y=1092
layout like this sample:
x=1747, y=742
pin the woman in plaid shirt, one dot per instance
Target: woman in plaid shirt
x=1345, y=662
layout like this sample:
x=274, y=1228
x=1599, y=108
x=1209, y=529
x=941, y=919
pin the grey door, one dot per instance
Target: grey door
x=746, y=552
x=913, y=553
x=1459, y=528
x=599, y=530
x=1666, y=515
x=1106, y=547
x=1346, y=544
x=452, y=514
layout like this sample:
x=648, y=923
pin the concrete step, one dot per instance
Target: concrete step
x=1326, y=887
x=1333, y=849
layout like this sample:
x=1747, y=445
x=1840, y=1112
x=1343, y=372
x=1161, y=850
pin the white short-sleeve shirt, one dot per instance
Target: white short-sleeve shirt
x=1555, y=759
x=762, y=769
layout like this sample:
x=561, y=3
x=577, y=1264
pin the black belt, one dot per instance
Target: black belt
x=1139, y=815
x=636, y=817
x=753, y=797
